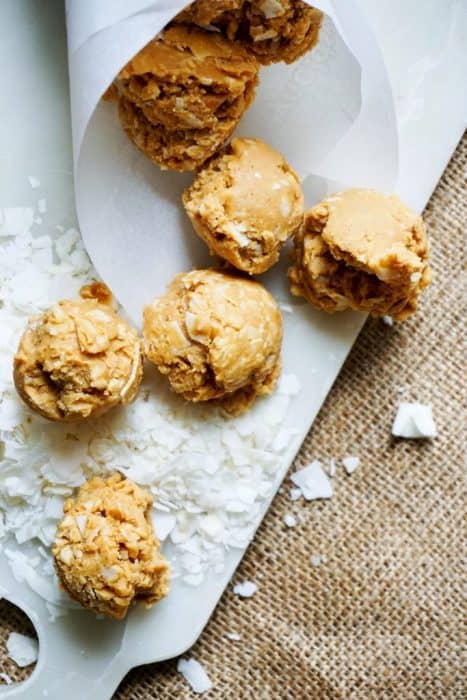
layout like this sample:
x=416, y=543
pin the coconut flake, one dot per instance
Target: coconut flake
x=109, y=573
x=23, y=650
x=233, y=636
x=194, y=674
x=388, y=320
x=81, y=521
x=290, y=520
x=42, y=206
x=163, y=524
x=271, y=8
x=210, y=476
x=316, y=559
x=414, y=420
x=332, y=467
x=295, y=493
x=16, y=221
x=286, y=308
x=313, y=482
x=289, y=385
x=34, y=182
x=245, y=589
x=5, y=677
x=350, y=464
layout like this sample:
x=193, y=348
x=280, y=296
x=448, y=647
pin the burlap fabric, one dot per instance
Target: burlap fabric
x=383, y=615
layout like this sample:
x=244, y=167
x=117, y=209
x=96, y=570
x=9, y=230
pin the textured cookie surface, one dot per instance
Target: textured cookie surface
x=78, y=359
x=245, y=204
x=216, y=336
x=273, y=30
x=362, y=250
x=105, y=550
x=183, y=94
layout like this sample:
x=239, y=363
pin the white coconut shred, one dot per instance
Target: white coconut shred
x=210, y=476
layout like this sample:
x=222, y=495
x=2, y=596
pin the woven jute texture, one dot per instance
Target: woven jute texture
x=383, y=614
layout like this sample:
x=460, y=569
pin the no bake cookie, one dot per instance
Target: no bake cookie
x=217, y=336
x=184, y=93
x=78, y=359
x=361, y=250
x=105, y=550
x=245, y=204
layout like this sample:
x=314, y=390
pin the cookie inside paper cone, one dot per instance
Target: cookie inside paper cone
x=183, y=94
x=272, y=30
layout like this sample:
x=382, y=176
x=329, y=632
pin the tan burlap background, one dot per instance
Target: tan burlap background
x=384, y=615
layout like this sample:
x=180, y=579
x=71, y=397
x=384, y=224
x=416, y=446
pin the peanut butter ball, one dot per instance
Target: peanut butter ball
x=245, y=204
x=105, y=550
x=183, y=94
x=217, y=336
x=78, y=359
x=361, y=250
x=273, y=30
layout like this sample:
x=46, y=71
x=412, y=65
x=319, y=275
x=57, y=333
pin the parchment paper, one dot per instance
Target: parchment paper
x=331, y=113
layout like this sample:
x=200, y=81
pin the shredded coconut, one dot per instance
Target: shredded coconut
x=23, y=650
x=271, y=8
x=313, y=481
x=194, y=674
x=290, y=520
x=210, y=476
x=286, y=308
x=5, y=677
x=316, y=559
x=350, y=464
x=245, y=589
x=388, y=320
x=295, y=493
x=233, y=636
x=332, y=467
x=414, y=420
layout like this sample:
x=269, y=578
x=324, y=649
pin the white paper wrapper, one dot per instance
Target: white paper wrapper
x=331, y=113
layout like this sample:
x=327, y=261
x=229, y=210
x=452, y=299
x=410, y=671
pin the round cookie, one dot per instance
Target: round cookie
x=184, y=93
x=216, y=336
x=78, y=359
x=272, y=30
x=245, y=204
x=361, y=250
x=105, y=551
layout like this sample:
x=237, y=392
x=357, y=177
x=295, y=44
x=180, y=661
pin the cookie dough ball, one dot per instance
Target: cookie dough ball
x=217, y=336
x=106, y=554
x=181, y=97
x=78, y=359
x=273, y=30
x=361, y=250
x=245, y=204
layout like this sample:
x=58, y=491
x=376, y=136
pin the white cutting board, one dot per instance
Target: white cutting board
x=80, y=656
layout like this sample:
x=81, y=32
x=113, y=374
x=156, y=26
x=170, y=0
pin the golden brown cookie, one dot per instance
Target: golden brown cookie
x=183, y=94
x=273, y=30
x=245, y=204
x=78, y=359
x=217, y=336
x=105, y=550
x=361, y=250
